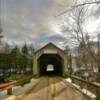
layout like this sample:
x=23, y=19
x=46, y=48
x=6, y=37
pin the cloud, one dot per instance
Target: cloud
x=32, y=20
x=43, y=40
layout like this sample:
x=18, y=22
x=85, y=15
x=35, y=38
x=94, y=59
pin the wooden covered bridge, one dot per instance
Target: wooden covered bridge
x=50, y=54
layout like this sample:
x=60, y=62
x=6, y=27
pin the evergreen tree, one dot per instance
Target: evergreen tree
x=14, y=59
x=31, y=50
x=25, y=50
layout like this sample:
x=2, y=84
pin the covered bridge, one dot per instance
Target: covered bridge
x=50, y=54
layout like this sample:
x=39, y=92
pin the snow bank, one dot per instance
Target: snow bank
x=87, y=92
x=69, y=80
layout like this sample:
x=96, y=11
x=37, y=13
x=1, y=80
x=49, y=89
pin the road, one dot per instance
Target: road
x=52, y=88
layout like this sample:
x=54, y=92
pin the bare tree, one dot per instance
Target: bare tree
x=78, y=36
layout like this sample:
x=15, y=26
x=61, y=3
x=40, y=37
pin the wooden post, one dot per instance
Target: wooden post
x=82, y=85
x=97, y=94
x=9, y=91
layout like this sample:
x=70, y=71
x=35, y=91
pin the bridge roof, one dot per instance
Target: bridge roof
x=49, y=45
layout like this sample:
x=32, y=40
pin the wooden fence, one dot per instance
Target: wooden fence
x=81, y=82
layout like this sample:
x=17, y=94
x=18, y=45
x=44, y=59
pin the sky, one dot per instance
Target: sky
x=27, y=21
x=35, y=21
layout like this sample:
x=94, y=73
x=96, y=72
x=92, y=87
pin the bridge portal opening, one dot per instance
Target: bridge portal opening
x=51, y=65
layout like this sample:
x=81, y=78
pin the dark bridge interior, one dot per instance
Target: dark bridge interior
x=51, y=59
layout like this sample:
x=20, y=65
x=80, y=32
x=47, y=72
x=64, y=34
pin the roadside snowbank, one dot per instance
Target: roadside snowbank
x=87, y=92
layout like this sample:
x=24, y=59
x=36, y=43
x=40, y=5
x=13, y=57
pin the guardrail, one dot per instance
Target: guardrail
x=83, y=82
x=8, y=87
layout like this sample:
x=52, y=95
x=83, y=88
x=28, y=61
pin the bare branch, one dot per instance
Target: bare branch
x=76, y=6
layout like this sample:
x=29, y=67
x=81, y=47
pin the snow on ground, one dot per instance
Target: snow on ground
x=96, y=83
x=93, y=96
x=69, y=80
x=87, y=92
x=17, y=90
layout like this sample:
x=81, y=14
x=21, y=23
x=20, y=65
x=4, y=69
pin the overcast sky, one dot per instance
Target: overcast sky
x=34, y=21
x=27, y=21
